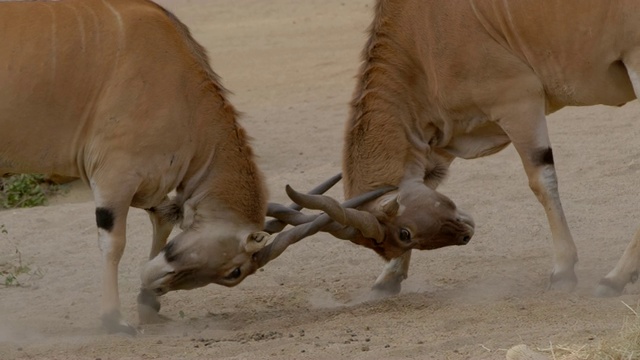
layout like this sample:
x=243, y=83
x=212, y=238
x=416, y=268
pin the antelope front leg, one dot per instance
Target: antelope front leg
x=148, y=303
x=626, y=270
x=530, y=138
x=389, y=282
x=111, y=223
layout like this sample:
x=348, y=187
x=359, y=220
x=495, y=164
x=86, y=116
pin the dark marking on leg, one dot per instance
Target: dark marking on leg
x=543, y=157
x=104, y=218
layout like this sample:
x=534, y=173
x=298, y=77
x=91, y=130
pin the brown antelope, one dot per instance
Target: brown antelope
x=465, y=78
x=118, y=93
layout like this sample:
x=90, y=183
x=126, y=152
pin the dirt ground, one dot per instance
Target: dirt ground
x=291, y=65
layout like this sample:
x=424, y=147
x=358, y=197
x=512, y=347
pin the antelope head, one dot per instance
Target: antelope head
x=307, y=225
x=412, y=217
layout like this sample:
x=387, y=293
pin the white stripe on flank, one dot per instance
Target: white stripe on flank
x=120, y=24
x=93, y=26
x=80, y=27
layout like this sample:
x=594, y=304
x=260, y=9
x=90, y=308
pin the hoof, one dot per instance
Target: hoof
x=149, y=308
x=607, y=288
x=564, y=282
x=385, y=290
x=148, y=315
x=149, y=299
x=114, y=324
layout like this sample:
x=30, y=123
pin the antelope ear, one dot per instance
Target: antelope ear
x=254, y=242
x=188, y=216
x=389, y=205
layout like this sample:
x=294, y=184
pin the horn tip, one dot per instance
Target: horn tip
x=290, y=191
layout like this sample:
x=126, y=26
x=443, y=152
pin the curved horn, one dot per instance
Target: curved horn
x=292, y=236
x=344, y=232
x=274, y=226
x=286, y=215
x=364, y=221
x=295, y=217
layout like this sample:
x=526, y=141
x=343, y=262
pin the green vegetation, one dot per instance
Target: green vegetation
x=25, y=190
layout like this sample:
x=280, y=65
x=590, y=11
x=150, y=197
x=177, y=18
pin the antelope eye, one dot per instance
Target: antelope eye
x=405, y=235
x=234, y=274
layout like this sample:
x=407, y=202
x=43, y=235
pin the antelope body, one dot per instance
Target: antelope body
x=118, y=93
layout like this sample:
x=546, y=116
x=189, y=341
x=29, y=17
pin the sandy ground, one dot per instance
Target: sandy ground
x=291, y=65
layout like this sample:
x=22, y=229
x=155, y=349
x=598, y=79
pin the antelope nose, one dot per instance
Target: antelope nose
x=465, y=218
x=469, y=226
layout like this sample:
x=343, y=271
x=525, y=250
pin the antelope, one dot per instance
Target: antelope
x=119, y=94
x=441, y=80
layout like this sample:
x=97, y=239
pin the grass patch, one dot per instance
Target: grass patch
x=25, y=190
